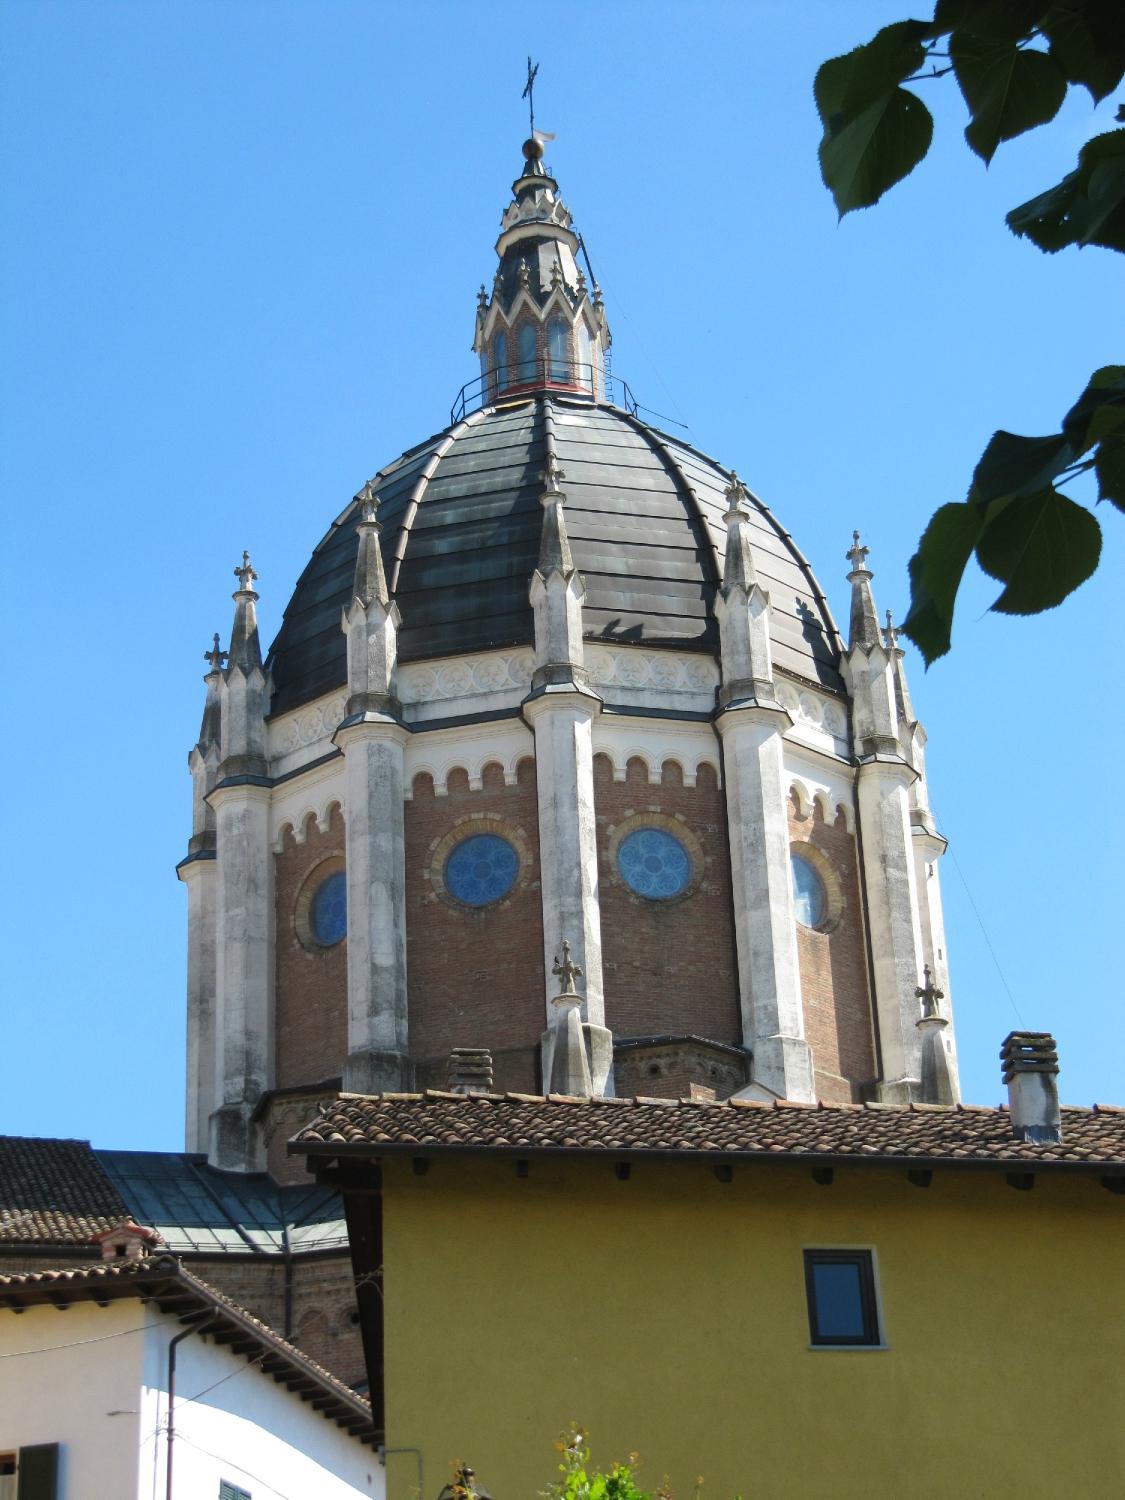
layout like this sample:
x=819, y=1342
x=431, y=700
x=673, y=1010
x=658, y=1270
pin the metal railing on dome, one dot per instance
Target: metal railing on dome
x=524, y=377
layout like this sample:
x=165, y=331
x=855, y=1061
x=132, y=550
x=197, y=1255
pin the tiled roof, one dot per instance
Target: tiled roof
x=163, y=1280
x=54, y=1192
x=521, y=1124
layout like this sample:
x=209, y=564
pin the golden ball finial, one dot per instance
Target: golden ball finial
x=533, y=149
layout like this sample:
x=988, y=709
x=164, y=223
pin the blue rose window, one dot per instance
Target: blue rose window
x=481, y=869
x=809, y=896
x=654, y=864
x=328, y=914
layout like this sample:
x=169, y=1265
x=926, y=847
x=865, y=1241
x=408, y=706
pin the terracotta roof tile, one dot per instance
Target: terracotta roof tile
x=382, y=1125
x=54, y=1191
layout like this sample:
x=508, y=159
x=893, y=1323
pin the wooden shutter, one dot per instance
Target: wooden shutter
x=39, y=1472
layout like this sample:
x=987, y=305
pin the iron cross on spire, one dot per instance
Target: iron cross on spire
x=529, y=92
x=568, y=972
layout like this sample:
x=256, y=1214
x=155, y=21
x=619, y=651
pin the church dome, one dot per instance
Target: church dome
x=462, y=518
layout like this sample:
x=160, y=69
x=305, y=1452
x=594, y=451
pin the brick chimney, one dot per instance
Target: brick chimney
x=470, y=1070
x=1031, y=1066
x=126, y=1241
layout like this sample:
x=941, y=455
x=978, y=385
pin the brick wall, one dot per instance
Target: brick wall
x=312, y=983
x=670, y=966
x=833, y=962
x=475, y=975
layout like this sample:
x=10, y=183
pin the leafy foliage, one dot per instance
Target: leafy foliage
x=578, y=1481
x=1014, y=61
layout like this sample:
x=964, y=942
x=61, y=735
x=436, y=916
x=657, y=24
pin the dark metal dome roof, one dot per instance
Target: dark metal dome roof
x=461, y=523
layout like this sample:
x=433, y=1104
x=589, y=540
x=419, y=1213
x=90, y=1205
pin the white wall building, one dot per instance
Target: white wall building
x=85, y=1363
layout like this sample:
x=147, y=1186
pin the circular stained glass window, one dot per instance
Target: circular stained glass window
x=328, y=912
x=481, y=869
x=809, y=896
x=654, y=864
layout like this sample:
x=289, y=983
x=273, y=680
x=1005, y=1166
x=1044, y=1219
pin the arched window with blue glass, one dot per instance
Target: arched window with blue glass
x=525, y=350
x=328, y=911
x=500, y=363
x=558, y=349
x=810, y=899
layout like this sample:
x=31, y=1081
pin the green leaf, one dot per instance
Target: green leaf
x=846, y=86
x=876, y=150
x=935, y=576
x=1013, y=466
x=1042, y=547
x=1109, y=466
x=1087, y=40
x=991, y=20
x=1100, y=410
x=1087, y=207
x=1008, y=90
x=874, y=131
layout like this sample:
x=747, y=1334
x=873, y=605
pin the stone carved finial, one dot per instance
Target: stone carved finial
x=581, y=283
x=598, y=301
x=216, y=657
x=482, y=298
x=890, y=634
x=857, y=554
x=556, y=275
x=524, y=275
x=552, y=477
x=567, y=971
x=368, y=502
x=736, y=495
x=929, y=994
x=245, y=574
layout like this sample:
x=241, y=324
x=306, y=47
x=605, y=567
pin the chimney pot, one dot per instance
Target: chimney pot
x=1031, y=1065
x=470, y=1070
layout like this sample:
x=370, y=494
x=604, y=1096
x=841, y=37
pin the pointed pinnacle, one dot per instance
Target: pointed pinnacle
x=551, y=476
x=566, y=971
x=890, y=634
x=736, y=496
x=245, y=574
x=368, y=501
x=857, y=554
x=216, y=657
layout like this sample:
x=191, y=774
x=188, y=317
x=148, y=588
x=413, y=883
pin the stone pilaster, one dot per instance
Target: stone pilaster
x=375, y=851
x=244, y=915
x=752, y=725
x=373, y=740
x=198, y=872
x=884, y=782
x=561, y=710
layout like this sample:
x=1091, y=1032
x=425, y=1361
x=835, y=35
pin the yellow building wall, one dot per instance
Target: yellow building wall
x=667, y=1314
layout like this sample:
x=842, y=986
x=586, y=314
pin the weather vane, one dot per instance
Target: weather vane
x=529, y=92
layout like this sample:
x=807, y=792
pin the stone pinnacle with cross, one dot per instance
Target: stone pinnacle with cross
x=552, y=475
x=567, y=971
x=929, y=994
x=736, y=496
x=216, y=656
x=857, y=554
x=368, y=502
x=245, y=574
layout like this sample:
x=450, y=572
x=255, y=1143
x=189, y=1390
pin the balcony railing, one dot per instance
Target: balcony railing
x=521, y=377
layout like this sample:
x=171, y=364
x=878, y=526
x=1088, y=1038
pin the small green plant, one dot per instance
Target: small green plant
x=578, y=1481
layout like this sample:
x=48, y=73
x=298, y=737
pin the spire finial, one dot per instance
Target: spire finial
x=245, y=575
x=736, y=495
x=929, y=994
x=215, y=657
x=857, y=554
x=890, y=634
x=482, y=299
x=551, y=476
x=567, y=971
x=368, y=501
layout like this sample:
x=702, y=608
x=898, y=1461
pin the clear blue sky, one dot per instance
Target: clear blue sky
x=241, y=244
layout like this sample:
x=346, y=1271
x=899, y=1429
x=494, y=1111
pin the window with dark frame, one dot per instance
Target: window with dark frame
x=840, y=1286
x=228, y=1491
